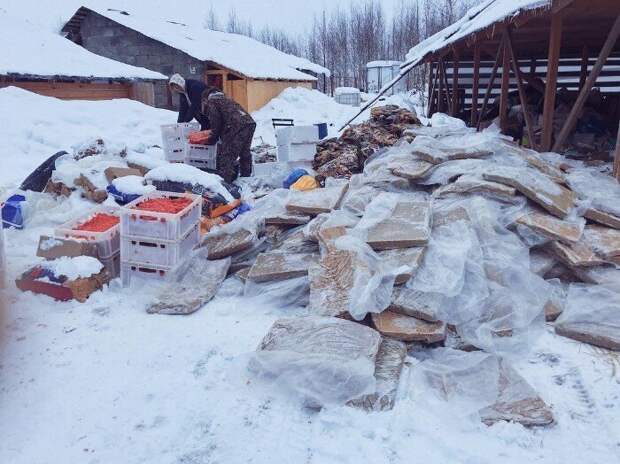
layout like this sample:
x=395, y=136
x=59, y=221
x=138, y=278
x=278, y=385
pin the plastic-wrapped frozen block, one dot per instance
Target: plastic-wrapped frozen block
x=597, y=190
x=317, y=201
x=324, y=361
x=284, y=293
x=192, y=285
x=591, y=315
x=275, y=265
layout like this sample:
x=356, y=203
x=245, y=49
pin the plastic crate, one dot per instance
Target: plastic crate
x=297, y=152
x=112, y=264
x=159, y=252
x=108, y=242
x=143, y=271
x=160, y=226
x=201, y=156
x=174, y=138
x=266, y=169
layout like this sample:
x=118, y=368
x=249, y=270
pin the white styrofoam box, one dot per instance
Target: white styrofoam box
x=161, y=226
x=297, y=152
x=159, y=252
x=112, y=264
x=108, y=242
x=174, y=138
x=266, y=169
x=297, y=134
x=201, y=156
x=307, y=165
x=141, y=271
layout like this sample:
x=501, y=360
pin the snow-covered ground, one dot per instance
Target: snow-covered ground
x=104, y=382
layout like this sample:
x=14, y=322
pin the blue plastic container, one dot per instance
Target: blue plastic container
x=120, y=197
x=12, y=215
x=293, y=177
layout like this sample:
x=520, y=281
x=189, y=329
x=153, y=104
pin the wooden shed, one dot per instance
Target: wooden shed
x=509, y=50
x=249, y=71
x=29, y=60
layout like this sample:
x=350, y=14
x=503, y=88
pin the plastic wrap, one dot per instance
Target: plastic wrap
x=338, y=218
x=321, y=361
x=280, y=293
x=596, y=190
x=275, y=265
x=591, y=315
x=358, y=196
x=191, y=286
x=479, y=384
x=377, y=172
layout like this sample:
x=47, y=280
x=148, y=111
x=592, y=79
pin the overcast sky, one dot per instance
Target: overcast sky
x=291, y=15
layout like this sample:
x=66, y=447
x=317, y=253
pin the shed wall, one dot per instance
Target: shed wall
x=75, y=90
x=261, y=92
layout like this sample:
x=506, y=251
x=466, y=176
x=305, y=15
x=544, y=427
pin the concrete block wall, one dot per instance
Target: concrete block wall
x=107, y=38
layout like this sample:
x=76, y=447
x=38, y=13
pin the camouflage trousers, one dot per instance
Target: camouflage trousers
x=234, y=156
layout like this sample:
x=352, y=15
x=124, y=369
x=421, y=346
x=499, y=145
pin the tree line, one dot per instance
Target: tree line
x=345, y=39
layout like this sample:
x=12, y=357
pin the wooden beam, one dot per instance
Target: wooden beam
x=585, y=58
x=555, y=45
x=440, y=71
x=446, y=87
x=570, y=123
x=559, y=5
x=617, y=157
x=522, y=95
x=432, y=86
x=487, y=95
x=476, y=86
x=454, y=111
x=503, y=99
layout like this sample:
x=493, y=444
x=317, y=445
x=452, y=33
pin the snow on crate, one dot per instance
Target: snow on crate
x=79, y=267
x=176, y=172
x=132, y=185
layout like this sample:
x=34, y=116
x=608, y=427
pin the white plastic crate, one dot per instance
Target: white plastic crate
x=142, y=271
x=266, y=169
x=160, y=226
x=297, y=152
x=159, y=252
x=201, y=156
x=108, y=242
x=297, y=134
x=174, y=138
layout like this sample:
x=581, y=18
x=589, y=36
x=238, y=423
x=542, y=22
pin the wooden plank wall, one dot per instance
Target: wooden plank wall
x=261, y=92
x=74, y=90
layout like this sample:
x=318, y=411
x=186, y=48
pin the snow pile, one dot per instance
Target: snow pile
x=178, y=172
x=30, y=50
x=80, y=267
x=34, y=127
x=68, y=169
x=132, y=185
x=305, y=107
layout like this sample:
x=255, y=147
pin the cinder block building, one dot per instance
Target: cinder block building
x=249, y=71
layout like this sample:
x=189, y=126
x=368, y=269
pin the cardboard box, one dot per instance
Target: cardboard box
x=52, y=248
x=115, y=173
x=79, y=289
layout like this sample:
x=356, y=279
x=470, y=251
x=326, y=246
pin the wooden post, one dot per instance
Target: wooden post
x=476, y=86
x=585, y=58
x=434, y=94
x=570, y=123
x=522, y=95
x=503, y=101
x=533, y=66
x=454, y=111
x=487, y=95
x=440, y=70
x=446, y=87
x=617, y=157
x=553, y=64
x=431, y=89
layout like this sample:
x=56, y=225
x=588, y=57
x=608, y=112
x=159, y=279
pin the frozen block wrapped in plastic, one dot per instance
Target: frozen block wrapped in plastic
x=475, y=184
x=407, y=226
x=191, y=286
x=295, y=241
x=358, y=196
x=432, y=151
x=591, y=315
x=604, y=241
x=447, y=172
x=409, y=258
x=388, y=368
x=328, y=221
x=557, y=300
x=602, y=275
x=598, y=191
x=536, y=186
x=553, y=228
x=576, y=255
x=280, y=293
x=221, y=244
x=276, y=265
x=541, y=262
x=324, y=361
x=425, y=306
x=409, y=167
x=317, y=201
x=408, y=329
x=477, y=383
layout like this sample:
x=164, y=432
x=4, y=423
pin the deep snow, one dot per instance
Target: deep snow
x=104, y=382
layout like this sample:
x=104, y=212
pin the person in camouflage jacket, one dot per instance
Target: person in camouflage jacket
x=231, y=124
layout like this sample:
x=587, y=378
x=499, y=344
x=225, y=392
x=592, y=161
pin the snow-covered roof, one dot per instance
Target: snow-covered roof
x=383, y=64
x=29, y=50
x=476, y=19
x=238, y=53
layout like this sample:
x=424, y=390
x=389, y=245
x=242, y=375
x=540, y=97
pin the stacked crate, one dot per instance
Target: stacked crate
x=174, y=140
x=201, y=156
x=107, y=242
x=297, y=145
x=153, y=244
